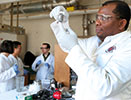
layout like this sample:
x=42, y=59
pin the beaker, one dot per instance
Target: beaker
x=20, y=83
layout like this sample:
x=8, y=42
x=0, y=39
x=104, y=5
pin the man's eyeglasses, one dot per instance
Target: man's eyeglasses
x=42, y=48
x=104, y=17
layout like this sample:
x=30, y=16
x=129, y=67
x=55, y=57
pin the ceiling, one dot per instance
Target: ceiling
x=10, y=1
x=35, y=7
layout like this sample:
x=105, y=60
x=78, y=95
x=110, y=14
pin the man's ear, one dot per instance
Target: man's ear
x=122, y=24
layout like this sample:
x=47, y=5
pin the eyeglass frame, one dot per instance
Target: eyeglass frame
x=43, y=48
x=105, y=18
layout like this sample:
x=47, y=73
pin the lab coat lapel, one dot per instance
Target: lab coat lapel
x=94, y=45
x=48, y=59
x=104, y=54
x=111, y=41
x=108, y=48
x=42, y=58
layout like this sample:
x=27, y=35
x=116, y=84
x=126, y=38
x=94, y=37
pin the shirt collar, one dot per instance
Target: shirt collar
x=117, y=36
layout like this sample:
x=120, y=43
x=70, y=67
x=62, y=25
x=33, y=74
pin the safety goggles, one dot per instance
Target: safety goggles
x=43, y=48
x=105, y=18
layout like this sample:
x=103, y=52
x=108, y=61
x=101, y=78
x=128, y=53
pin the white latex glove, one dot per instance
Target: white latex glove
x=60, y=14
x=66, y=38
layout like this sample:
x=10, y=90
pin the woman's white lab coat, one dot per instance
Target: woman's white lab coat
x=7, y=74
x=104, y=72
x=44, y=71
x=17, y=61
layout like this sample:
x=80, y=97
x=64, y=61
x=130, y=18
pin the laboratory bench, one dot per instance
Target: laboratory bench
x=14, y=95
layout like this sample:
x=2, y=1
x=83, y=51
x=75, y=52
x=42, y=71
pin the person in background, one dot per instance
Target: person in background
x=29, y=58
x=14, y=59
x=102, y=62
x=44, y=64
x=7, y=72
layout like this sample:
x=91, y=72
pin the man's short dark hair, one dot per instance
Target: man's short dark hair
x=48, y=45
x=6, y=46
x=122, y=10
x=16, y=43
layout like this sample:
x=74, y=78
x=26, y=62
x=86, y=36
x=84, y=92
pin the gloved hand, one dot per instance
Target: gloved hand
x=66, y=38
x=16, y=69
x=38, y=63
x=60, y=14
x=47, y=65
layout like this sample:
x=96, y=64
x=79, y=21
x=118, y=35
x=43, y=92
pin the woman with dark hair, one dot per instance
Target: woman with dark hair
x=7, y=72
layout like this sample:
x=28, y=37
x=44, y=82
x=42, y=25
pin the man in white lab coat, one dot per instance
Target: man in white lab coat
x=7, y=72
x=44, y=65
x=14, y=59
x=102, y=62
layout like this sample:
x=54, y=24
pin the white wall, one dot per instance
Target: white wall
x=39, y=31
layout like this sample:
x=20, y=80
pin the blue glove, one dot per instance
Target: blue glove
x=47, y=65
x=38, y=63
x=16, y=69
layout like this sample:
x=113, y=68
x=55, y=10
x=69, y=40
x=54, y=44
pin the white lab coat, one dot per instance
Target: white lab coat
x=42, y=71
x=104, y=72
x=7, y=74
x=17, y=61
